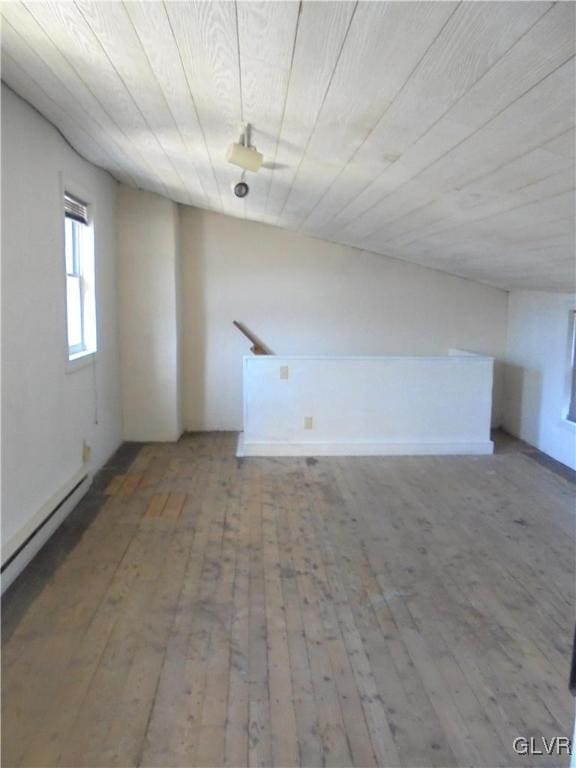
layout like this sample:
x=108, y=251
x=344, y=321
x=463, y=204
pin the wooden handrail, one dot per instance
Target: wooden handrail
x=258, y=347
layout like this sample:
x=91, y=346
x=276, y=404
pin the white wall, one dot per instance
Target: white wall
x=310, y=297
x=538, y=372
x=148, y=269
x=46, y=411
x=367, y=406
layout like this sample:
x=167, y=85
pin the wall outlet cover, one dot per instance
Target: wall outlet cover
x=284, y=371
x=308, y=422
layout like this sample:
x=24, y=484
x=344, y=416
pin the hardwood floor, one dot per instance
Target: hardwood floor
x=203, y=610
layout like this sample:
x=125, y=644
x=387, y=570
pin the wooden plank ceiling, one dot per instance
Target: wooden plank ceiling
x=439, y=133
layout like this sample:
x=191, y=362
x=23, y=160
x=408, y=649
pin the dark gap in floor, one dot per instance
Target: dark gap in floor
x=506, y=443
x=554, y=466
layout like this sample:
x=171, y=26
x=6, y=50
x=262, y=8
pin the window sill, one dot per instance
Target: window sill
x=79, y=361
x=568, y=424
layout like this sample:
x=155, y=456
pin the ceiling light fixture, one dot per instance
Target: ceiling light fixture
x=243, y=154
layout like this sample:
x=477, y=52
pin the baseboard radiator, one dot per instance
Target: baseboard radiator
x=23, y=545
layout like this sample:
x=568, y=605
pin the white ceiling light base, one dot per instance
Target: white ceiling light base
x=243, y=155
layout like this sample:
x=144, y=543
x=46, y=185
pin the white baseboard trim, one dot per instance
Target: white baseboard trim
x=21, y=548
x=362, y=449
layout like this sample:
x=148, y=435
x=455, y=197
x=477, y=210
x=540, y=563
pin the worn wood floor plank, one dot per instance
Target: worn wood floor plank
x=214, y=611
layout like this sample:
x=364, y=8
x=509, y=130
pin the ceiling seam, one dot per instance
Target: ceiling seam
x=62, y=109
x=94, y=96
x=445, y=154
x=393, y=240
x=441, y=117
x=56, y=127
x=320, y=107
x=161, y=90
x=194, y=104
x=239, y=63
x=131, y=97
x=482, y=176
x=382, y=115
x=281, y=128
x=499, y=213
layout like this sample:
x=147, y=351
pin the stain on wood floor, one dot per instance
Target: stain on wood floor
x=201, y=610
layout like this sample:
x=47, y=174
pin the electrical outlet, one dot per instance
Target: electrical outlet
x=283, y=371
x=308, y=422
x=86, y=450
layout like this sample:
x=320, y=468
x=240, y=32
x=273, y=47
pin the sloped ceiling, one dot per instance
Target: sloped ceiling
x=437, y=132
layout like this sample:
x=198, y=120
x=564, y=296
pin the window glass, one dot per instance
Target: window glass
x=572, y=405
x=69, y=245
x=73, y=288
x=80, y=294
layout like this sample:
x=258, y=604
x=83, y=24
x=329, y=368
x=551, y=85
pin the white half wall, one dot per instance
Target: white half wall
x=538, y=372
x=48, y=408
x=309, y=297
x=149, y=280
x=359, y=406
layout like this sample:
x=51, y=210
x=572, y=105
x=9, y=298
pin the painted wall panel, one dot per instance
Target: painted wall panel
x=148, y=261
x=47, y=411
x=538, y=372
x=367, y=405
x=309, y=297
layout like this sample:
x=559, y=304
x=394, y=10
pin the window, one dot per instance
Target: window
x=80, y=297
x=571, y=416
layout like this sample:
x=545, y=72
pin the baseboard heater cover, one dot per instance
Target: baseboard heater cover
x=31, y=538
x=258, y=448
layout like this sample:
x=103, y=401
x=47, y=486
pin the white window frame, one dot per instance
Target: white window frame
x=570, y=418
x=78, y=246
x=86, y=355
